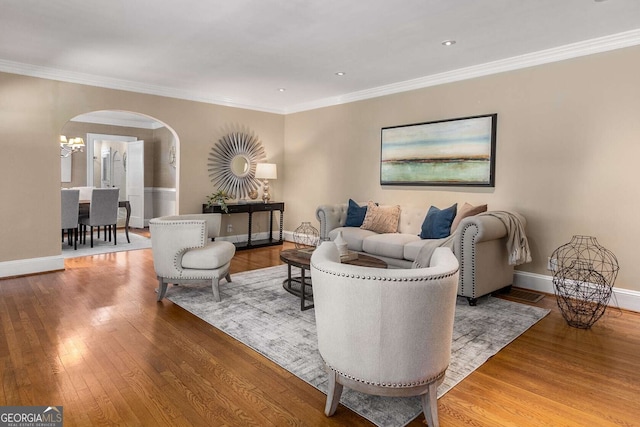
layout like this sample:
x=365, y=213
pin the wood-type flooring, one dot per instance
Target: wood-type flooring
x=93, y=339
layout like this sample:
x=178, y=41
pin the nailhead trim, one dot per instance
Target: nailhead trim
x=392, y=385
x=178, y=255
x=385, y=279
x=473, y=259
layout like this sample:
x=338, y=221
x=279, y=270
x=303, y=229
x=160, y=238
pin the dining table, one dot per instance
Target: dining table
x=121, y=204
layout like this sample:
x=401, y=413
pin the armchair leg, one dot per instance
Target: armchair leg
x=430, y=405
x=162, y=288
x=216, y=289
x=228, y=277
x=333, y=394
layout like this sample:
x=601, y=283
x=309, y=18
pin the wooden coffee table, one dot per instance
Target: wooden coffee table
x=298, y=285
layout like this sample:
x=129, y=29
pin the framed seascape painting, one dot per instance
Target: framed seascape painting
x=458, y=152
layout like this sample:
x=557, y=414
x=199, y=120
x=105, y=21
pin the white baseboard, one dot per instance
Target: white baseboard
x=22, y=267
x=622, y=298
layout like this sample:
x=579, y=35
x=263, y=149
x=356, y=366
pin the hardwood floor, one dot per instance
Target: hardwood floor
x=93, y=339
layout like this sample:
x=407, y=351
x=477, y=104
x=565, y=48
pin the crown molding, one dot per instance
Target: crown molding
x=125, y=85
x=561, y=53
x=583, y=48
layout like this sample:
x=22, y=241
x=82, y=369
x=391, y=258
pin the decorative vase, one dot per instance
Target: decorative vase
x=583, y=277
x=306, y=235
x=341, y=244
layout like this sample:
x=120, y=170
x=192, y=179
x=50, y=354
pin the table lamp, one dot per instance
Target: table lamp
x=266, y=171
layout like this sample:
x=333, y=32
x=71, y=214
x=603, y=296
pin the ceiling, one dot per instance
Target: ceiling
x=241, y=52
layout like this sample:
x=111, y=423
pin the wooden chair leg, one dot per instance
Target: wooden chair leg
x=333, y=394
x=430, y=405
x=216, y=289
x=228, y=277
x=114, y=233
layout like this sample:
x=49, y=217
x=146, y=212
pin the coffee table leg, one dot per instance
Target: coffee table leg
x=303, y=286
x=289, y=276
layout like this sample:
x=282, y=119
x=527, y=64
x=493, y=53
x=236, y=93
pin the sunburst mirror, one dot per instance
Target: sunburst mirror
x=232, y=163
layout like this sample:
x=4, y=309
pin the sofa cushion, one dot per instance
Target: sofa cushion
x=465, y=211
x=389, y=245
x=354, y=236
x=411, y=219
x=355, y=214
x=411, y=249
x=437, y=223
x=381, y=219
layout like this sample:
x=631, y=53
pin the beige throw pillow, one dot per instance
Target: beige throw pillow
x=465, y=211
x=381, y=219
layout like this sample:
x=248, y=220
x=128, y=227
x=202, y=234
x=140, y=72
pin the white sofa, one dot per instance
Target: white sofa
x=479, y=243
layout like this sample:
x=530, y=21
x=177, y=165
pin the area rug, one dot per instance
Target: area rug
x=102, y=247
x=257, y=311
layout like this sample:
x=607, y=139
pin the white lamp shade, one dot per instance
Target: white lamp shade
x=76, y=142
x=266, y=171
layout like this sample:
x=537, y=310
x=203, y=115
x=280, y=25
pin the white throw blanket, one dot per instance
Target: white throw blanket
x=517, y=243
x=423, y=259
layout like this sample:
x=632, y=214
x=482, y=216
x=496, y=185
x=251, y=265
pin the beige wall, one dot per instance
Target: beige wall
x=32, y=114
x=568, y=145
x=164, y=175
x=567, y=150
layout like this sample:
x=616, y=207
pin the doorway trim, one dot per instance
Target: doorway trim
x=91, y=138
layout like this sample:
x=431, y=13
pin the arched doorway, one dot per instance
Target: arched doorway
x=109, y=159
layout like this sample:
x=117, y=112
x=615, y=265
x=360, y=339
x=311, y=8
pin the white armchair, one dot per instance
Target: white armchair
x=385, y=331
x=182, y=252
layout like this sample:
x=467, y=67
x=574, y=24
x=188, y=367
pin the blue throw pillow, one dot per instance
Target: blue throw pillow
x=355, y=214
x=437, y=223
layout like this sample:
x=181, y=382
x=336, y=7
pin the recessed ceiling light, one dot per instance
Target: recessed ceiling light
x=340, y=73
x=448, y=42
x=281, y=89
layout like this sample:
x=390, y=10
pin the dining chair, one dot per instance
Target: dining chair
x=103, y=211
x=69, y=218
x=85, y=195
x=85, y=192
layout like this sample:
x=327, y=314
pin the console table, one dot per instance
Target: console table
x=250, y=209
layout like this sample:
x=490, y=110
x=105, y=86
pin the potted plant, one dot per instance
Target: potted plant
x=220, y=198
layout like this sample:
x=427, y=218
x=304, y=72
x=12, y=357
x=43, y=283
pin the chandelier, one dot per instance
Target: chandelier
x=68, y=147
